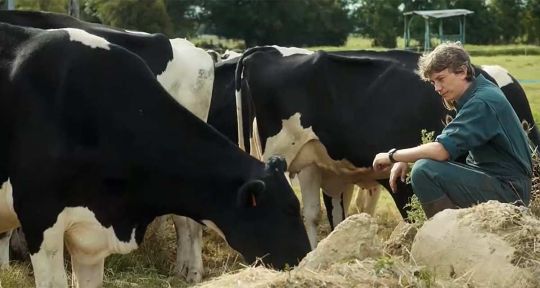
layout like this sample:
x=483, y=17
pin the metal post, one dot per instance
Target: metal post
x=405, y=38
x=463, y=29
x=73, y=8
x=10, y=4
x=441, y=30
x=427, y=44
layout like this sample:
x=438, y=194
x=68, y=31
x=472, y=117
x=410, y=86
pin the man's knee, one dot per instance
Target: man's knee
x=423, y=180
x=422, y=170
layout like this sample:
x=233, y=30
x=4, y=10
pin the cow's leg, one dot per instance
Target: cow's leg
x=18, y=246
x=48, y=262
x=188, y=249
x=337, y=206
x=366, y=199
x=87, y=275
x=402, y=197
x=310, y=186
x=4, y=249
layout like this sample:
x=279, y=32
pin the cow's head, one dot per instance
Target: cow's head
x=266, y=221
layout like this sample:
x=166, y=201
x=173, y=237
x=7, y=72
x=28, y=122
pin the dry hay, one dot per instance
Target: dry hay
x=493, y=244
x=400, y=241
x=349, y=257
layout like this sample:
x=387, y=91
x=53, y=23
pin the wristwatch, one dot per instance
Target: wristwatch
x=391, y=155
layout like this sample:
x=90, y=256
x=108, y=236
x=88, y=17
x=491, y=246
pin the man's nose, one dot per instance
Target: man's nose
x=438, y=87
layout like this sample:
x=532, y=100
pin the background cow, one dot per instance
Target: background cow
x=96, y=149
x=328, y=114
x=185, y=71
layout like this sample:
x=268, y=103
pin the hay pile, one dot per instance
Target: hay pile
x=349, y=257
x=489, y=245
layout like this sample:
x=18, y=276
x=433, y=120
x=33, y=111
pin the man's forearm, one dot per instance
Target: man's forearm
x=433, y=150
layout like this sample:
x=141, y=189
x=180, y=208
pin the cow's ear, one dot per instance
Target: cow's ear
x=250, y=193
x=277, y=163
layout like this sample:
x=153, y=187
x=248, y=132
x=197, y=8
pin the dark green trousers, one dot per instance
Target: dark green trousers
x=464, y=185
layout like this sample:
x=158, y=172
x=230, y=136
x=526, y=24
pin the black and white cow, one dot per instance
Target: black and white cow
x=328, y=114
x=185, y=71
x=95, y=149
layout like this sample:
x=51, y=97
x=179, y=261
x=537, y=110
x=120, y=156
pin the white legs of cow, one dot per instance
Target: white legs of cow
x=310, y=186
x=4, y=249
x=48, y=262
x=188, y=249
x=366, y=199
x=311, y=179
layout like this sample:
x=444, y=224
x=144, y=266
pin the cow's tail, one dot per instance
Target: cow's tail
x=245, y=111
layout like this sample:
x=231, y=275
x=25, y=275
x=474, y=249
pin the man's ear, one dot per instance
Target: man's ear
x=250, y=193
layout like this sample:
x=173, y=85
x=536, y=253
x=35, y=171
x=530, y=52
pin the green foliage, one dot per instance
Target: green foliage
x=531, y=22
x=380, y=20
x=415, y=213
x=185, y=16
x=141, y=15
x=293, y=22
x=383, y=264
x=43, y=5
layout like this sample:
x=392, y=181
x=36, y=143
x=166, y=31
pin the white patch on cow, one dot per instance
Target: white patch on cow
x=86, y=38
x=306, y=155
x=288, y=51
x=189, y=77
x=290, y=139
x=88, y=242
x=498, y=73
x=8, y=217
x=137, y=32
x=210, y=224
x=230, y=54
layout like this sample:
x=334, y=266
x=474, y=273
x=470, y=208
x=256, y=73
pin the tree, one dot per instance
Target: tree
x=58, y=6
x=141, y=15
x=293, y=22
x=506, y=15
x=380, y=20
x=185, y=16
x=531, y=22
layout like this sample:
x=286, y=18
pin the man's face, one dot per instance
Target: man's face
x=450, y=85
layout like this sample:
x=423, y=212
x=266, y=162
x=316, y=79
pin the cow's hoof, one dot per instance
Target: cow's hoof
x=191, y=274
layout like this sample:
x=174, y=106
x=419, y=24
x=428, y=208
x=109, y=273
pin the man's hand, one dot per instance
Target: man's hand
x=381, y=162
x=399, y=170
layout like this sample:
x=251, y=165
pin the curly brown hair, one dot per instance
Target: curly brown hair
x=449, y=55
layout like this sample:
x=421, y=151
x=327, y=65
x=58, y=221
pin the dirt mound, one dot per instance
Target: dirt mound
x=492, y=244
x=354, y=238
x=489, y=245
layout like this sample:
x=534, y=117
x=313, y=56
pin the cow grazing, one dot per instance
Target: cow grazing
x=95, y=149
x=186, y=72
x=328, y=114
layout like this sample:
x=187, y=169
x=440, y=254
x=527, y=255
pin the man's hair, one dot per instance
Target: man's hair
x=449, y=55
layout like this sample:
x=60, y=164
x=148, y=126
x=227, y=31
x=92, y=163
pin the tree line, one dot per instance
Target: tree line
x=305, y=22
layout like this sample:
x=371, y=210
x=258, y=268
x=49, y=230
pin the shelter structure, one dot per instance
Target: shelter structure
x=430, y=15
